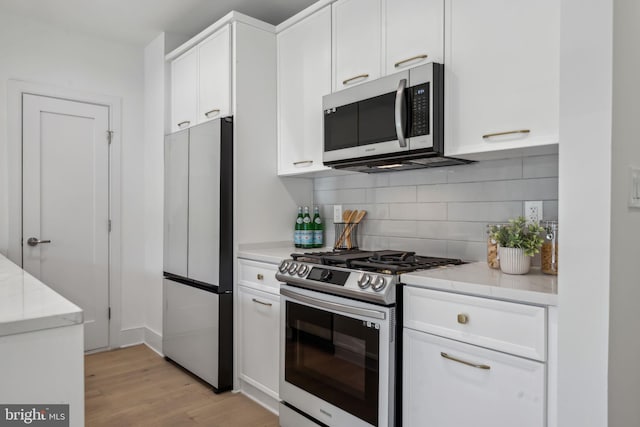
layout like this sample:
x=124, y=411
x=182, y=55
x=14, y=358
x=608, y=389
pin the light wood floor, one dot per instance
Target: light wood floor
x=136, y=387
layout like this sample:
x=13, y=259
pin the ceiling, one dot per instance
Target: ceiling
x=139, y=21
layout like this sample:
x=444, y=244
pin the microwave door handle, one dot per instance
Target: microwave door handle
x=400, y=102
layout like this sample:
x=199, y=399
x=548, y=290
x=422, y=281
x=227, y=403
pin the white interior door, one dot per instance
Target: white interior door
x=65, y=173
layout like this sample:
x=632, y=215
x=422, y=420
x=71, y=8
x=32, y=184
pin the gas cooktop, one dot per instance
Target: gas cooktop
x=357, y=274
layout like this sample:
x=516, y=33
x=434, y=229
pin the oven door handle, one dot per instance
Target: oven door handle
x=374, y=314
x=400, y=94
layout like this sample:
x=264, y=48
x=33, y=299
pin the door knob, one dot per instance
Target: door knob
x=33, y=241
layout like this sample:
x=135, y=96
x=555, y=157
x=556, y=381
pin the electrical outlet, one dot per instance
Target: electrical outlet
x=533, y=212
x=337, y=213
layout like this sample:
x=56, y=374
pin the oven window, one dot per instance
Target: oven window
x=377, y=121
x=335, y=358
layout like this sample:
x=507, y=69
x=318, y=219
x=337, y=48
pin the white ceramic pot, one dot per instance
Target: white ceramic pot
x=514, y=261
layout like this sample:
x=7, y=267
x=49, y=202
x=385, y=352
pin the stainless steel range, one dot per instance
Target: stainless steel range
x=338, y=336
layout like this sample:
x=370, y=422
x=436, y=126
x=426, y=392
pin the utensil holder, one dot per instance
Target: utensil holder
x=346, y=235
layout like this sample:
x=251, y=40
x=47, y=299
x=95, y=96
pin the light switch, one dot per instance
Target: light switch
x=634, y=187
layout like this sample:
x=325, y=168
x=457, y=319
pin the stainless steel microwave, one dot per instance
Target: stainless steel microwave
x=392, y=123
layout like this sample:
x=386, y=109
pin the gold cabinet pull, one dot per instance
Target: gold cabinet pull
x=359, y=76
x=260, y=276
x=208, y=114
x=268, y=304
x=184, y=124
x=413, y=58
x=464, y=362
x=303, y=163
x=511, y=132
x=463, y=319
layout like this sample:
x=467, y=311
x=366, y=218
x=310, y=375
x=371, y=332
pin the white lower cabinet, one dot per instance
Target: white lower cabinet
x=447, y=383
x=463, y=361
x=259, y=339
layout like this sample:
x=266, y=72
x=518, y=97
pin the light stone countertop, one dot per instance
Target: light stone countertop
x=480, y=280
x=27, y=304
x=273, y=253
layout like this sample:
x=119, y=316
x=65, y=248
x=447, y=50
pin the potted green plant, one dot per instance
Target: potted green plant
x=517, y=241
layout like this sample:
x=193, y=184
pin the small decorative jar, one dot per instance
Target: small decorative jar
x=549, y=251
x=493, y=260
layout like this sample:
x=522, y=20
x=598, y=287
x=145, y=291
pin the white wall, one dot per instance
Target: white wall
x=39, y=53
x=624, y=322
x=154, y=114
x=584, y=180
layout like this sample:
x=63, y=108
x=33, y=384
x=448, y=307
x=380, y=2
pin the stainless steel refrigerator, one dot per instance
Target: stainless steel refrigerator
x=198, y=251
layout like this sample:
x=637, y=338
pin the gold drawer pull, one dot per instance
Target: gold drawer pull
x=268, y=304
x=359, y=76
x=511, y=132
x=413, y=58
x=464, y=362
x=463, y=319
x=260, y=276
x=209, y=114
x=303, y=163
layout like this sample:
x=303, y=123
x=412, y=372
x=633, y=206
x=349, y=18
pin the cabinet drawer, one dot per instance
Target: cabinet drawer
x=504, y=326
x=259, y=275
x=448, y=383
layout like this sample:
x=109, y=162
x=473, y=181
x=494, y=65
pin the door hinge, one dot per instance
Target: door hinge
x=109, y=136
x=109, y=312
x=109, y=226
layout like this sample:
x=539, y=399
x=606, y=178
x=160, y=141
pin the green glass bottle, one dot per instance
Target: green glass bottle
x=307, y=230
x=297, y=232
x=318, y=229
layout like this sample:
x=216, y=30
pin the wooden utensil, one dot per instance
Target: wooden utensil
x=348, y=218
x=353, y=224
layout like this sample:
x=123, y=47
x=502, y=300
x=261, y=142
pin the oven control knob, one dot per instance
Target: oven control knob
x=293, y=268
x=325, y=275
x=364, y=281
x=302, y=270
x=284, y=265
x=379, y=283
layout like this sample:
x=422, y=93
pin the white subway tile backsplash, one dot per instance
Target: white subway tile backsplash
x=334, y=197
x=540, y=166
x=493, y=170
x=418, y=177
x=467, y=251
x=389, y=228
x=354, y=180
x=484, y=211
x=405, y=194
x=441, y=211
x=428, y=247
x=432, y=230
x=418, y=211
x=467, y=231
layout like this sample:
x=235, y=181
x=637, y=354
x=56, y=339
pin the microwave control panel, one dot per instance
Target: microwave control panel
x=419, y=107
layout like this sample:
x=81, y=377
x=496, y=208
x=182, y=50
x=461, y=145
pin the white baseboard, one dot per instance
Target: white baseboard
x=142, y=335
x=153, y=340
x=131, y=336
x=259, y=397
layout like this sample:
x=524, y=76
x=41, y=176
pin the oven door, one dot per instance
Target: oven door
x=336, y=358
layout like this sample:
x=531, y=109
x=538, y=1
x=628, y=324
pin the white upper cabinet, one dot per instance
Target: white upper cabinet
x=184, y=91
x=304, y=77
x=502, y=80
x=214, y=79
x=357, y=42
x=414, y=33
x=201, y=82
